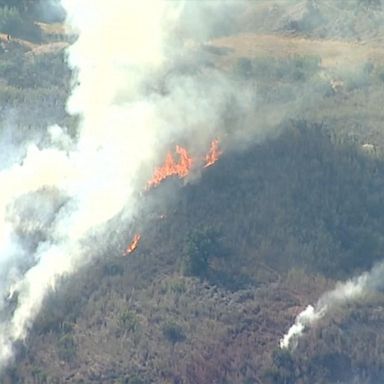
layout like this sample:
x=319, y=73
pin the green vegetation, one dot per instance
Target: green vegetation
x=39, y=376
x=39, y=71
x=66, y=348
x=237, y=255
x=297, y=68
x=201, y=247
x=307, y=199
x=128, y=320
x=30, y=80
x=283, y=370
x=307, y=213
x=173, y=332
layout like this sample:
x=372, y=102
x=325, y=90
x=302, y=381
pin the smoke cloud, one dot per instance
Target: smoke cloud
x=57, y=196
x=145, y=80
x=134, y=97
x=344, y=293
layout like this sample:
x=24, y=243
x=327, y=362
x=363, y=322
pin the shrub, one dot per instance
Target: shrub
x=39, y=376
x=201, y=245
x=173, y=332
x=128, y=320
x=66, y=348
x=176, y=286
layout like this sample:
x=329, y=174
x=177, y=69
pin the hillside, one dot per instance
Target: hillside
x=140, y=318
x=230, y=254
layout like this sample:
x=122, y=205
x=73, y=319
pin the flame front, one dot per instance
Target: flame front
x=213, y=154
x=182, y=167
x=133, y=245
x=171, y=167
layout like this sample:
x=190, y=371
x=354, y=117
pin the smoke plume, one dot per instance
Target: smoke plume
x=344, y=293
x=60, y=194
x=134, y=98
x=146, y=79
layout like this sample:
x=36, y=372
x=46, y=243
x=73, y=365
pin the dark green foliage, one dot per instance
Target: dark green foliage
x=40, y=71
x=61, y=317
x=29, y=82
x=296, y=68
x=201, y=246
x=177, y=287
x=111, y=269
x=334, y=366
x=283, y=370
x=173, y=332
x=128, y=320
x=298, y=200
x=39, y=376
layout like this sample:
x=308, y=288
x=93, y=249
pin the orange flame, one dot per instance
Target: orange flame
x=133, y=245
x=213, y=154
x=172, y=167
x=182, y=167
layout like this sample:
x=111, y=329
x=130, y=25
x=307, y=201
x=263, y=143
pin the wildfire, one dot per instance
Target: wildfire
x=182, y=166
x=133, y=245
x=171, y=167
x=213, y=154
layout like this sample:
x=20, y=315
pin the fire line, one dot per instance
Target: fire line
x=182, y=165
x=133, y=244
x=213, y=154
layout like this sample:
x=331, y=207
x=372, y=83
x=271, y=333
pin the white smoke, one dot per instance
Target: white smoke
x=119, y=44
x=61, y=194
x=303, y=319
x=131, y=104
x=349, y=291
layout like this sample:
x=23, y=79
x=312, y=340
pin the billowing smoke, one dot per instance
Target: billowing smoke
x=344, y=293
x=145, y=79
x=58, y=195
x=134, y=98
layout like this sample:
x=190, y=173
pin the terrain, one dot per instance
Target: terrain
x=225, y=265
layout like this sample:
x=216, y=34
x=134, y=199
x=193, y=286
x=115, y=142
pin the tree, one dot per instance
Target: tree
x=201, y=246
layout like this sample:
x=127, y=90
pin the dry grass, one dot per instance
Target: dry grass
x=57, y=35
x=24, y=43
x=333, y=53
x=53, y=29
x=48, y=48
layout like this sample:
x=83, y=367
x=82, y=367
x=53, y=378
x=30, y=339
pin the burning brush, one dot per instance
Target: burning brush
x=133, y=244
x=179, y=167
x=183, y=165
